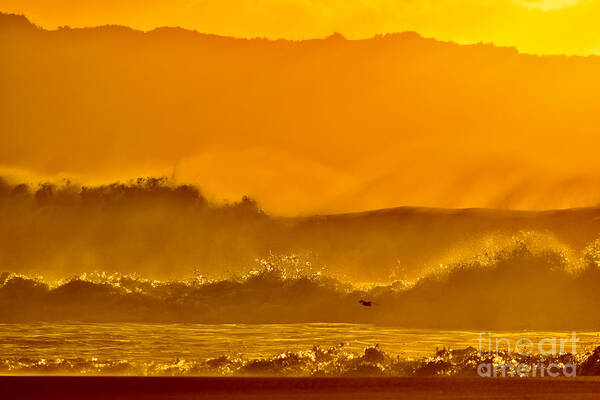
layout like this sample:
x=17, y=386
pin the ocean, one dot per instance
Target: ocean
x=174, y=349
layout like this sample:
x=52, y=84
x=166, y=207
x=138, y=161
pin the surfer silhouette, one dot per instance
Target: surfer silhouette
x=366, y=303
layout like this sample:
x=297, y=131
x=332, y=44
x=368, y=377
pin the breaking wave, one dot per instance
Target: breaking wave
x=318, y=361
x=529, y=283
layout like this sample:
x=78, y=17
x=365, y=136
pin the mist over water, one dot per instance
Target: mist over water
x=530, y=283
x=164, y=231
x=150, y=278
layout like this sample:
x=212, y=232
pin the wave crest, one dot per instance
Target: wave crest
x=318, y=361
x=524, y=285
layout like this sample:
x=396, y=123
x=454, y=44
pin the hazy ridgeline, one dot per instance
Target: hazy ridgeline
x=493, y=274
x=328, y=124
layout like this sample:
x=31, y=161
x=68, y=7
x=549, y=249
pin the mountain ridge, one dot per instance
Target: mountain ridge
x=317, y=126
x=19, y=21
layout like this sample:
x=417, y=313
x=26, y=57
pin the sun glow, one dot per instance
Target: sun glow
x=547, y=5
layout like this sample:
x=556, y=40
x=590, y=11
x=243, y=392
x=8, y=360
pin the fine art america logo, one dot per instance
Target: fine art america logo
x=525, y=349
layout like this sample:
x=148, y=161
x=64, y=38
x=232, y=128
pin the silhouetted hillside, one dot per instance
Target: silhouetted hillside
x=16, y=24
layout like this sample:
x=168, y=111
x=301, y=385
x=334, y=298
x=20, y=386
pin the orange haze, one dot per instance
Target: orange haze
x=325, y=125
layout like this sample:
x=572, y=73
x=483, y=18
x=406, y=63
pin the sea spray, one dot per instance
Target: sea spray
x=318, y=361
x=523, y=285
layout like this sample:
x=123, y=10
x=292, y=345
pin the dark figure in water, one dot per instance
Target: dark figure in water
x=366, y=303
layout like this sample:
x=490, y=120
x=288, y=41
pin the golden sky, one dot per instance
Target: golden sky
x=534, y=26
